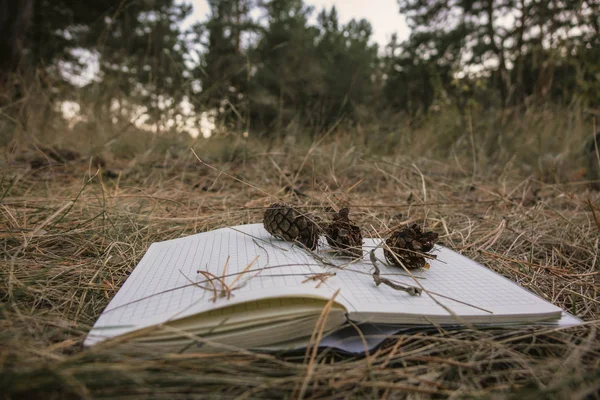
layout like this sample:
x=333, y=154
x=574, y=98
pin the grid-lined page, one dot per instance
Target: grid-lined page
x=457, y=282
x=160, y=288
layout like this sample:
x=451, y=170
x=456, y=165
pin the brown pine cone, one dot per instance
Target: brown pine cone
x=344, y=236
x=408, y=245
x=288, y=224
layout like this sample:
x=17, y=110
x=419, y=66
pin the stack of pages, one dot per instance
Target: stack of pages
x=241, y=287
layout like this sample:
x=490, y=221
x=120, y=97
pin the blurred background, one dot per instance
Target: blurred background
x=496, y=80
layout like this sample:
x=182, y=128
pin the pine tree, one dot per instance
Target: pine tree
x=349, y=62
x=223, y=68
x=539, y=38
x=288, y=75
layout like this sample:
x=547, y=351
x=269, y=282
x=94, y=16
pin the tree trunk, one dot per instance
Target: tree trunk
x=15, y=20
x=499, y=51
x=519, y=88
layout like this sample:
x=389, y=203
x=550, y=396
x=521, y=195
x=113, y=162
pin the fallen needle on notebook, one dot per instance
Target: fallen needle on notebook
x=319, y=277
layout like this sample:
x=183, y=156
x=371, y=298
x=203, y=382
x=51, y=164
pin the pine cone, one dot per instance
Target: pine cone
x=408, y=245
x=344, y=236
x=288, y=224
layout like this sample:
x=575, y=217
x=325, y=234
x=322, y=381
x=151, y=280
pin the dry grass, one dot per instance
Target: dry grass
x=70, y=237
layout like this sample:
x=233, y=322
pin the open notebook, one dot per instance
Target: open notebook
x=272, y=292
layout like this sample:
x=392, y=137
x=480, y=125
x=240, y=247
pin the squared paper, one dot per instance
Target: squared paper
x=159, y=289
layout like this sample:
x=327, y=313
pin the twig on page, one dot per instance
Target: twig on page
x=412, y=290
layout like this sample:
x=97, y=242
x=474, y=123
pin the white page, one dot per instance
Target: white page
x=157, y=290
x=490, y=297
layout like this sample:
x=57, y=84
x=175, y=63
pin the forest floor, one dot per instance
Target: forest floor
x=70, y=234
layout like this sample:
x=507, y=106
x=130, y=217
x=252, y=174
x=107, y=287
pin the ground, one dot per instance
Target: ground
x=71, y=234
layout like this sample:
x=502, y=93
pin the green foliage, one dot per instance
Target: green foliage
x=288, y=74
x=410, y=80
x=293, y=73
x=118, y=30
x=528, y=50
x=144, y=55
x=263, y=66
x=135, y=49
x=350, y=62
x=222, y=71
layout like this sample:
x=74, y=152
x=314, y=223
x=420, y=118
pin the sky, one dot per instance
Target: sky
x=382, y=14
